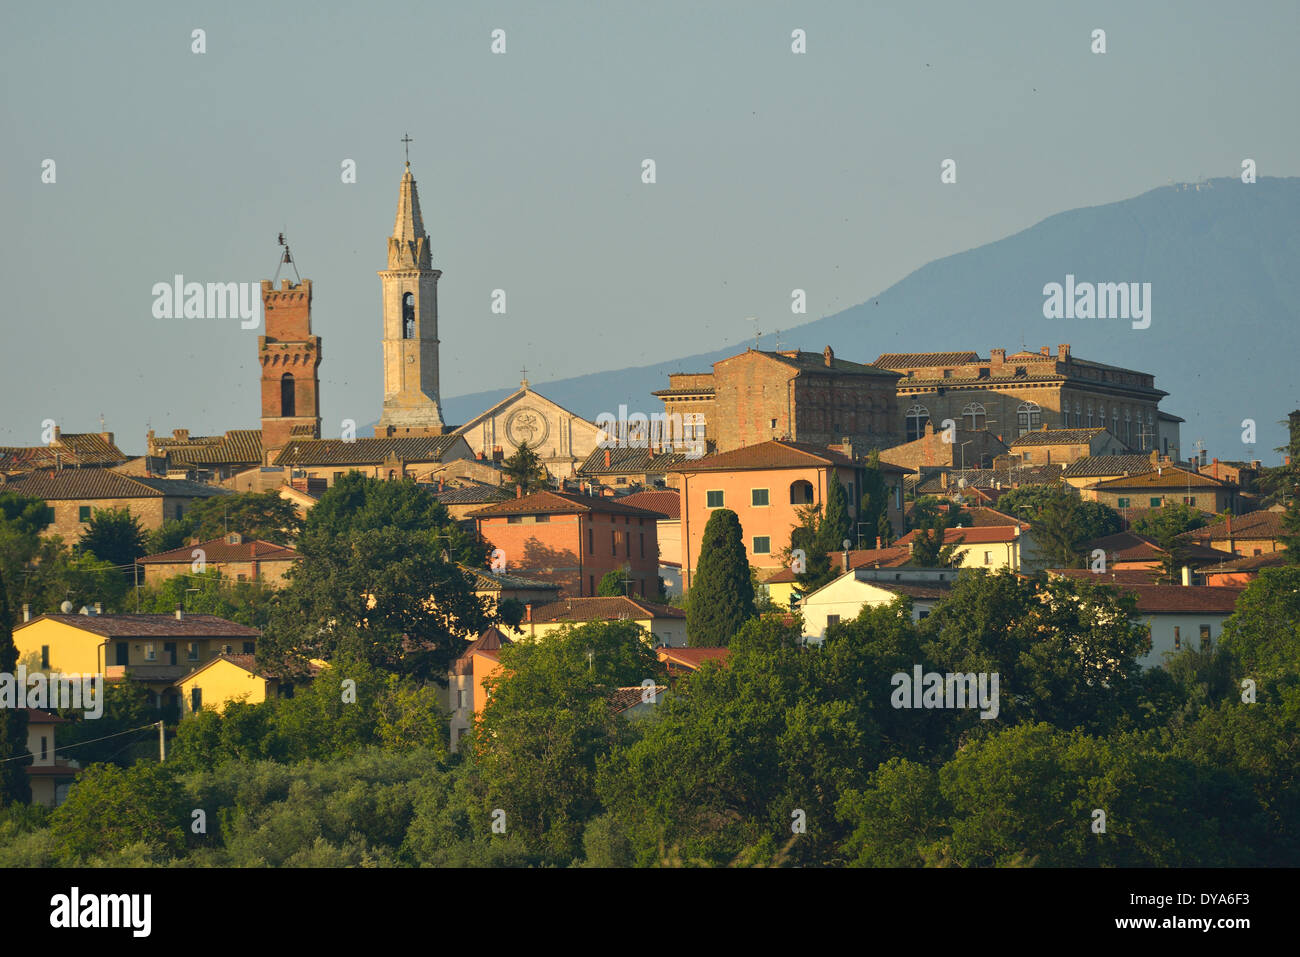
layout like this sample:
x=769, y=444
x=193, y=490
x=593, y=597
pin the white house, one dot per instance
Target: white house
x=846, y=596
x=990, y=546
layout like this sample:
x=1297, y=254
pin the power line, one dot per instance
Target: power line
x=116, y=734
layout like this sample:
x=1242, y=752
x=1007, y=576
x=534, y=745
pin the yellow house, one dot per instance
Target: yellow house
x=228, y=678
x=157, y=650
x=50, y=776
x=662, y=624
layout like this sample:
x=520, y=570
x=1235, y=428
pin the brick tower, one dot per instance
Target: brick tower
x=410, y=324
x=290, y=355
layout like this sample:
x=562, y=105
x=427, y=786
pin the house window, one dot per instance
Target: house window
x=45, y=747
x=1155, y=501
x=250, y=648
x=774, y=423
x=591, y=541
x=988, y=558
x=762, y=545
x=801, y=493
x=180, y=510
x=1178, y=638
x=45, y=657
x=192, y=651
x=1258, y=551
x=758, y=497
x=514, y=519
x=1123, y=503
x=83, y=513
x=460, y=698
x=627, y=544
x=917, y=417
x=1189, y=499
x=150, y=653
x=613, y=542
x=1027, y=457
x=832, y=620
x=196, y=699
x=591, y=585
x=1205, y=637
x=1028, y=417
x=713, y=498
x=641, y=543
x=973, y=417
x=922, y=614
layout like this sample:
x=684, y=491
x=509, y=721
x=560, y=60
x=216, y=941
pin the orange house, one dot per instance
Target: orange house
x=574, y=540
x=765, y=485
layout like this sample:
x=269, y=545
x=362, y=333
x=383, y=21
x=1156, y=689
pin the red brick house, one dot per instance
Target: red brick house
x=574, y=540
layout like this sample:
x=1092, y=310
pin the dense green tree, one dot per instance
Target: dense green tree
x=14, y=756
x=722, y=592
x=262, y=515
x=547, y=721
x=1262, y=636
x=899, y=818
x=612, y=583
x=173, y=533
x=209, y=593
x=115, y=536
x=1062, y=523
x=1065, y=650
x=22, y=520
x=873, y=506
x=525, y=470
x=110, y=808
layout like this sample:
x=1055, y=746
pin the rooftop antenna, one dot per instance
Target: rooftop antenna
x=286, y=258
x=101, y=421
x=757, y=333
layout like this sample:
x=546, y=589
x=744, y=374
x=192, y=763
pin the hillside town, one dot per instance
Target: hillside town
x=797, y=497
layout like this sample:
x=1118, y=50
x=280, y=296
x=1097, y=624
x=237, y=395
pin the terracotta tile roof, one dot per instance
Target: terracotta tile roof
x=491, y=581
x=979, y=535
x=562, y=503
x=981, y=516
x=217, y=550
x=914, y=590
x=373, y=451
x=477, y=494
x=1248, y=563
x=631, y=460
x=602, y=609
x=1180, y=599
x=782, y=576
x=707, y=390
x=97, y=483
x=1099, y=465
x=489, y=641
x=249, y=664
x=815, y=362
x=891, y=557
x=1058, y=437
x=40, y=716
x=1168, y=476
x=692, y=658
x=1130, y=547
x=71, y=449
x=775, y=454
x=151, y=626
x=625, y=698
x=667, y=502
x=989, y=478
x=1256, y=526
x=1121, y=576
x=911, y=360
x=236, y=447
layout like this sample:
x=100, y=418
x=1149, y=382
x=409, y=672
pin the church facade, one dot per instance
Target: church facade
x=561, y=439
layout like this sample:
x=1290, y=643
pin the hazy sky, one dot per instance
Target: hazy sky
x=775, y=171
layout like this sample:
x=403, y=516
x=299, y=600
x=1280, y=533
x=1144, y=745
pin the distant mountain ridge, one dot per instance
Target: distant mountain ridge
x=1224, y=337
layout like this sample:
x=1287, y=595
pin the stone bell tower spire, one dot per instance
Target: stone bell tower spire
x=410, y=324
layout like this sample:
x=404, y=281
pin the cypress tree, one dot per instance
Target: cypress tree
x=836, y=525
x=15, y=788
x=722, y=592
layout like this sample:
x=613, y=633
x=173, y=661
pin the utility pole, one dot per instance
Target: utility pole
x=162, y=742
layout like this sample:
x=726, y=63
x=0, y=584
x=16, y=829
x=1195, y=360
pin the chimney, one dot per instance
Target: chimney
x=844, y=564
x=1063, y=351
x=519, y=491
x=180, y=615
x=1045, y=351
x=27, y=612
x=99, y=608
x=997, y=357
x=528, y=612
x=1231, y=543
x=1203, y=455
x=1187, y=576
x=607, y=458
x=943, y=480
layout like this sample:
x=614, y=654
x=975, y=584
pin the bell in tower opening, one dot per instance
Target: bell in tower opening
x=408, y=316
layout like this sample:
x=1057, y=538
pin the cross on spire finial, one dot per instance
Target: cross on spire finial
x=523, y=380
x=406, y=138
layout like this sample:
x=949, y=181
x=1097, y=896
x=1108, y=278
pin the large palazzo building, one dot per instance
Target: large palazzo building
x=1010, y=395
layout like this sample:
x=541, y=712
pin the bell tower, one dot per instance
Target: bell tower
x=290, y=358
x=410, y=324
